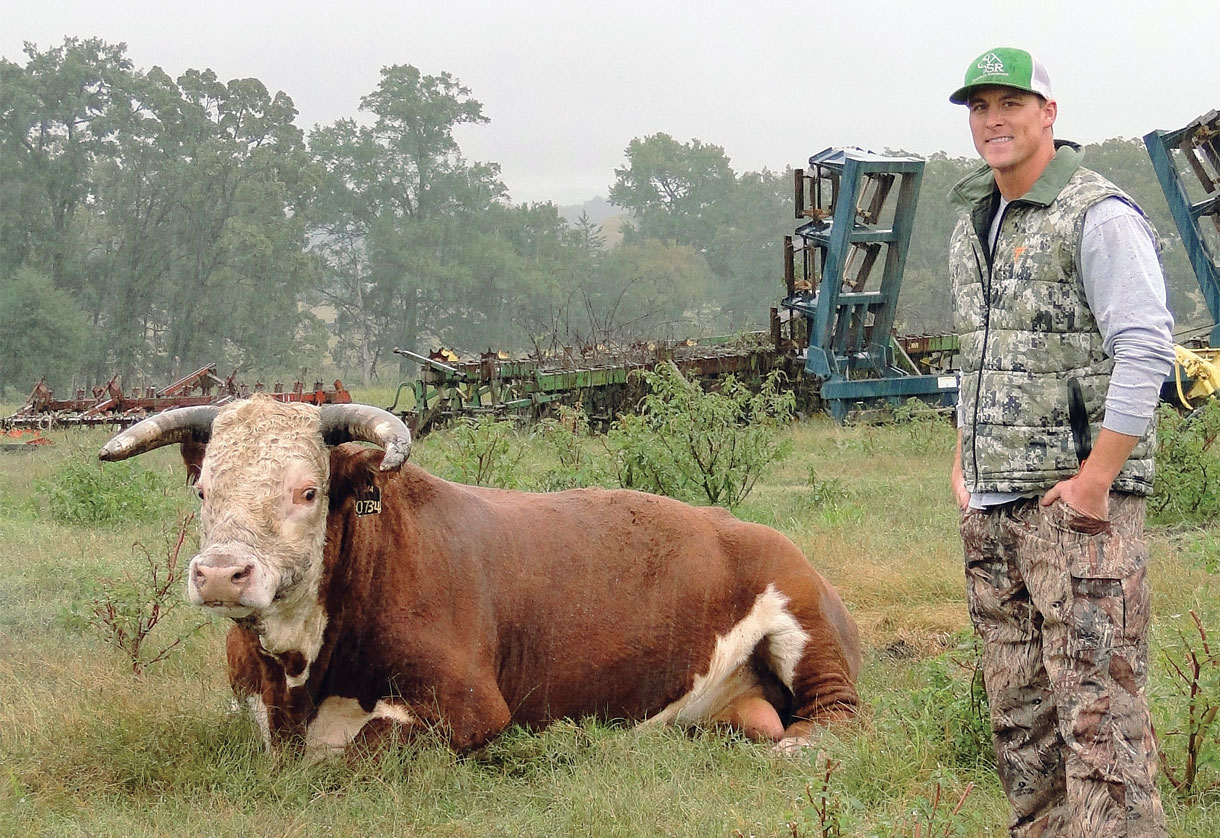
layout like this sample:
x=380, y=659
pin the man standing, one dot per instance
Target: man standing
x=1059, y=300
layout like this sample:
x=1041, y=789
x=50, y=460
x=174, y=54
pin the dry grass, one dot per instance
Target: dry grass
x=88, y=749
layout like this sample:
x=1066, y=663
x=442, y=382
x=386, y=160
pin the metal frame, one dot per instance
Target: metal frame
x=850, y=317
x=1199, y=143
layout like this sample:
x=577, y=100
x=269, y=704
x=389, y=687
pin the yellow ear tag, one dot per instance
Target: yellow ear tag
x=370, y=502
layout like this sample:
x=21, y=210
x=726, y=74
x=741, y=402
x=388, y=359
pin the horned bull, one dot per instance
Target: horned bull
x=370, y=598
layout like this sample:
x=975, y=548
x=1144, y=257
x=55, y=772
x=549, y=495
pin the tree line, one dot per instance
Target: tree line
x=151, y=225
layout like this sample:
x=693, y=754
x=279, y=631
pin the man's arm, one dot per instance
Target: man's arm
x=957, y=478
x=1125, y=289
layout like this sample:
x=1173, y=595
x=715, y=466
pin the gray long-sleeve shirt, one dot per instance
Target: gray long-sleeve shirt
x=1125, y=287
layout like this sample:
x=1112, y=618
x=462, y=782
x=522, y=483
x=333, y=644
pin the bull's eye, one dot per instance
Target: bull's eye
x=199, y=492
x=309, y=494
x=305, y=495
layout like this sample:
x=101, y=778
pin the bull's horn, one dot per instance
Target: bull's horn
x=347, y=422
x=184, y=424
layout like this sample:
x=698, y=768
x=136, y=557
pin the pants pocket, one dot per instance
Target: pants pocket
x=1105, y=567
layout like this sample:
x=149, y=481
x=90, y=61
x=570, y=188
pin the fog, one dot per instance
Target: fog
x=567, y=85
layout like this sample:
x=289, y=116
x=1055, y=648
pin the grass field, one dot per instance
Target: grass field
x=89, y=748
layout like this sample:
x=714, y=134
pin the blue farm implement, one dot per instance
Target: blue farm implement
x=858, y=209
x=1196, y=212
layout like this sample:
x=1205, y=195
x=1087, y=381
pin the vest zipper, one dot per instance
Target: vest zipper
x=985, y=281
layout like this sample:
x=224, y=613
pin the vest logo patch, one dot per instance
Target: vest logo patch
x=369, y=503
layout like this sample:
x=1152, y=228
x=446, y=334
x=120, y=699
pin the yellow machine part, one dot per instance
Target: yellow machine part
x=1202, y=365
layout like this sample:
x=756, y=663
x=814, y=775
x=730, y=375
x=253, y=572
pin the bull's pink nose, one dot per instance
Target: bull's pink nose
x=222, y=584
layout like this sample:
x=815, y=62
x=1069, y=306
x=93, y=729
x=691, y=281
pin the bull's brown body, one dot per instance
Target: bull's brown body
x=369, y=600
x=477, y=608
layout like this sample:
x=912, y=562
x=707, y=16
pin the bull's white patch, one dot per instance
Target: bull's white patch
x=298, y=629
x=258, y=712
x=339, y=720
x=728, y=675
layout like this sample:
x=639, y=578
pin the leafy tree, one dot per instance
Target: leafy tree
x=396, y=213
x=744, y=250
x=646, y=289
x=672, y=189
x=535, y=267
x=688, y=194
x=42, y=330
x=172, y=212
x=590, y=238
x=243, y=182
x=54, y=124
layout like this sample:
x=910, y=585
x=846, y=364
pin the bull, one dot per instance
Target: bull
x=372, y=599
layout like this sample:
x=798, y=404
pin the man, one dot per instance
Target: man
x=1059, y=300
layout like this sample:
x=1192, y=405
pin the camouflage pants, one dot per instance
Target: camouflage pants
x=1061, y=602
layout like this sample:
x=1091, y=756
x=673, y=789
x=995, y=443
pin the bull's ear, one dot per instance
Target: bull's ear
x=192, y=458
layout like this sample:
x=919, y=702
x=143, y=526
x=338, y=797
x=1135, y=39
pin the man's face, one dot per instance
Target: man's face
x=1011, y=128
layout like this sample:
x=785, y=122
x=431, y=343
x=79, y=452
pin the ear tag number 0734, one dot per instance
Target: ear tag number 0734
x=370, y=502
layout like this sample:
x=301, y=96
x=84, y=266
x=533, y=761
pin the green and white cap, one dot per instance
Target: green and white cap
x=1005, y=66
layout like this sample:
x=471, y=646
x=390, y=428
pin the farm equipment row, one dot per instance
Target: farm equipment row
x=601, y=382
x=110, y=405
x=832, y=335
x=603, y=385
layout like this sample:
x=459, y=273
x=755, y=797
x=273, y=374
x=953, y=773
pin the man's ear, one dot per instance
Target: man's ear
x=1050, y=110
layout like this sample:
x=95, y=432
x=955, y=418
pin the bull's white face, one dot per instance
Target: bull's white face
x=263, y=490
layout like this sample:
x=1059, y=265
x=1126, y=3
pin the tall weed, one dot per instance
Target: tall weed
x=132, y=606
x=1190, y=755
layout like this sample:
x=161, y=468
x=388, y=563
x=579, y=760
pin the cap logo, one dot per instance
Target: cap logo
x=991, y=65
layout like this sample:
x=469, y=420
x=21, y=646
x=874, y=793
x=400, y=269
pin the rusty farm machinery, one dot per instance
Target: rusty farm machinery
x=111, y=405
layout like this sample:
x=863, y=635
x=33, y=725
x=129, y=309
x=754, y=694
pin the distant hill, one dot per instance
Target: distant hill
x=601, y=212
x=598, y=209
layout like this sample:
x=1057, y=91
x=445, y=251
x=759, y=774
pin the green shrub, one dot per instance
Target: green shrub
x=1187, y=484
x=93, y=493
x=566, y=437
x=484, y=451
x=699, y=446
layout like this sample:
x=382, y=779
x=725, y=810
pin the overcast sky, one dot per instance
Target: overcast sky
x=567, y=84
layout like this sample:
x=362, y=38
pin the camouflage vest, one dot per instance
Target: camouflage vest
x=1026, y=329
